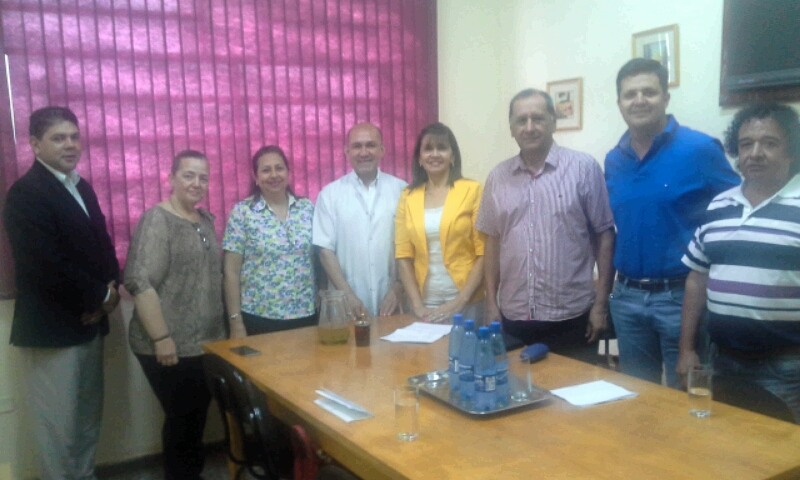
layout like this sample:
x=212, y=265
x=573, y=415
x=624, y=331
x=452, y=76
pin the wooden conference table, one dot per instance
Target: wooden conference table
x=646, y=437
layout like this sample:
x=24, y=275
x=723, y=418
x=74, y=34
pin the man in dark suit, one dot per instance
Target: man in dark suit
x=66, y=273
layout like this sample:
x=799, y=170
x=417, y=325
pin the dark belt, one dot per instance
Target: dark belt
x=777, y=352
x=653, y=284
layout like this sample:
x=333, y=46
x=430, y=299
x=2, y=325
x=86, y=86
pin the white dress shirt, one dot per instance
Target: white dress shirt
x=70, y=180
x=356, y=222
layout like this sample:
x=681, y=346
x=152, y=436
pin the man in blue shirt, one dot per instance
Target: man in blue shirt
x=660, y=177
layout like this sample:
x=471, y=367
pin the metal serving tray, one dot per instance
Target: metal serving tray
x=521, y=393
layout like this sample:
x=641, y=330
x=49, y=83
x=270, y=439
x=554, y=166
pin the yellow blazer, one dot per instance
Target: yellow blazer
x=462, y=244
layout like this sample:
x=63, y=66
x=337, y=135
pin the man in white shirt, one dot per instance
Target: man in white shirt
x=354, y=227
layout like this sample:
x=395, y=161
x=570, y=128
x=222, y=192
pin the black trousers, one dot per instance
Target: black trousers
x=181, y=389
x=255, y=325
x=567, y=337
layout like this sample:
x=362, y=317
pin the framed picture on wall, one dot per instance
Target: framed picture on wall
x=660, y=44
x=568, y=99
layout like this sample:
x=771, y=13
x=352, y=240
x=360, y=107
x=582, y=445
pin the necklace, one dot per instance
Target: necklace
x=196, y=225
x=180, y=214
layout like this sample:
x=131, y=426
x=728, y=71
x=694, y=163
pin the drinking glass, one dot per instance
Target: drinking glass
x=700, y=383
x=406, y=412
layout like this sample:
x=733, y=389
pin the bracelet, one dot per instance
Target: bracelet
x=234, y=316
x=161, y=338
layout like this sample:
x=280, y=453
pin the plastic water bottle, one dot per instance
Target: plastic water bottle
x=456, y=335
x=485, y=373
x=466, y=361
x=500, y=361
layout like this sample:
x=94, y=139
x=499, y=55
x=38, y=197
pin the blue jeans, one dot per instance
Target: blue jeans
x=648, y=326
x=780, y=375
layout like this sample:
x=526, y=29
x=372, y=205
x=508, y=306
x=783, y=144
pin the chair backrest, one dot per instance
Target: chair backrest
x=750, y=396
x=237, y=397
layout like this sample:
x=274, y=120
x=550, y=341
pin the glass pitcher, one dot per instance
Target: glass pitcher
x=334, y=319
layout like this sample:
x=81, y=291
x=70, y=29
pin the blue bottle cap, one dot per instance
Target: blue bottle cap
x=495, y=327
x=458, y=319
x=469, y=325
x=483, y=332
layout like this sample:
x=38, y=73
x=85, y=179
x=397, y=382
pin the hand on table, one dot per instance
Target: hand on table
x=391, y=303
x=354, y=305
x=444, y=312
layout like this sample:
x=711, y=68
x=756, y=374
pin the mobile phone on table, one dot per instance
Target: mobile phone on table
x=245, y=351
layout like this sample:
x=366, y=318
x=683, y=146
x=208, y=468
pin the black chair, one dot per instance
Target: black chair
x=750, y=396
x=237, y=397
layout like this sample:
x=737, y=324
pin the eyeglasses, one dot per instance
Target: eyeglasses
x=205, y=240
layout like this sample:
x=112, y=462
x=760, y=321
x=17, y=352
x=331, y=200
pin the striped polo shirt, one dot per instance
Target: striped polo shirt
x=752, y=258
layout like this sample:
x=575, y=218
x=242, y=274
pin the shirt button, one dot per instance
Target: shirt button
x=530, y=250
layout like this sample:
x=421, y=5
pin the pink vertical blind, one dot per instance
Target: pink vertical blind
x=148, y=78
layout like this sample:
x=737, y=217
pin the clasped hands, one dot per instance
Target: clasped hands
x=90, y=318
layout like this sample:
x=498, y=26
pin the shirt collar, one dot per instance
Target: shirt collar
x=658, y=141
x=357, y=180
x=71, y=178
x=790, y=190
x=553, y=159
x=258, y=203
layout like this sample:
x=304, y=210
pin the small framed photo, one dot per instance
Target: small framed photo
x=568, y=99
x=660, y=44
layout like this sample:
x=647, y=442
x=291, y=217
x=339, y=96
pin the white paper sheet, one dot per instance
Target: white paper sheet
x=418, y=332
x=341, y=407
x=592, y=393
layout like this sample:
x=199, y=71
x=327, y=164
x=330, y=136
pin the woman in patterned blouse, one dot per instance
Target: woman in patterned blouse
x=269, y=269
x=174, y=274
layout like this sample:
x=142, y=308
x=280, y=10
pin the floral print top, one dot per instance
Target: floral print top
x=277, y=280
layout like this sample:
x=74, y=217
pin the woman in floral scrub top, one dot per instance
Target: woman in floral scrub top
x=269, y=268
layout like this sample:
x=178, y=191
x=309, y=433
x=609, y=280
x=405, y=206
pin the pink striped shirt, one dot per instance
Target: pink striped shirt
x=545, y=225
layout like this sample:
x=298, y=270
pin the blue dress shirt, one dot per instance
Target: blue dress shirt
x=660, y=200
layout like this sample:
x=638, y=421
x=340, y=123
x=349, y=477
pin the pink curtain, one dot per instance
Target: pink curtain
x=148, y=78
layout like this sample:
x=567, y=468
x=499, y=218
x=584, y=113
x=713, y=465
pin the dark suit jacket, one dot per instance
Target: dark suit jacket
x=64, y=260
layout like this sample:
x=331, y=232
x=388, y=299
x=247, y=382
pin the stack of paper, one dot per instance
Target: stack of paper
x=341, y=407
x=418, y=332
x=592, y=393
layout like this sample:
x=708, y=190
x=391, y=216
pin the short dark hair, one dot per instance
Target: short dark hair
x=638, y=66
x=185, y=154
x=419, y=175
x=255, y=190
x=530, y=92
x=46, y=117
x=784, y=115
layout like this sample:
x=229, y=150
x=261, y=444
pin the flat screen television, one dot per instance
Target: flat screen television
x=760, y=44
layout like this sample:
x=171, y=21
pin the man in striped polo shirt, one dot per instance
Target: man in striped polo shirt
x=745, y=260
x=547, y=221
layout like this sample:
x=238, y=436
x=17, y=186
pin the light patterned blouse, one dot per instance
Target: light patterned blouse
x=182, y=262
x=277, y=280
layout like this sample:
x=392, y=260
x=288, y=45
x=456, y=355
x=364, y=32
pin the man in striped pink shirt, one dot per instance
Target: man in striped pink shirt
x=547, y=221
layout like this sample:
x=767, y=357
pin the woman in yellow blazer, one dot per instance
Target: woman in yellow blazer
x=439, y=252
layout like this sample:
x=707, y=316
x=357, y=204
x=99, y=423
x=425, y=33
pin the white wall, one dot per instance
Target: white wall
x=132, y=416
x=526, y=43
x=477, y=78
